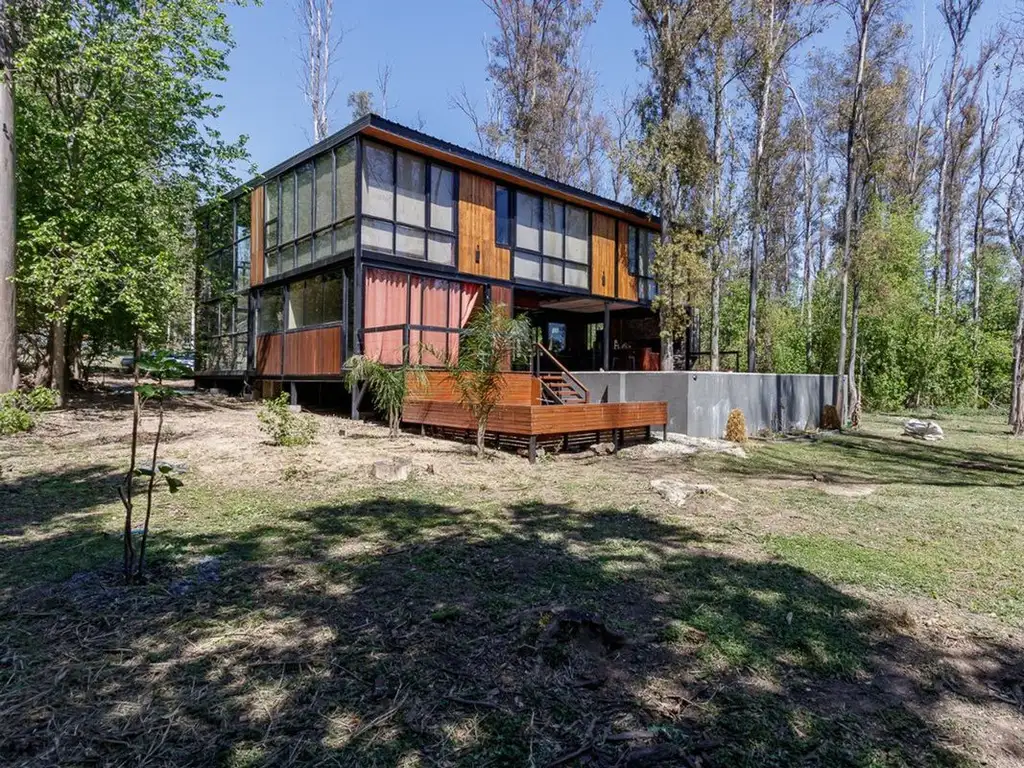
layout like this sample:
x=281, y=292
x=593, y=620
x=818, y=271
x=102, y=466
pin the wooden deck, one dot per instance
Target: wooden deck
x=521, y=421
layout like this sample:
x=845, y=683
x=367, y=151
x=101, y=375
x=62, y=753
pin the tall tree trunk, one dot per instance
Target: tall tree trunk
x=941, y=204
x=58, y=355
x=851, y=376
x=755, y=235
x=8, y=217
x=717, y=172
x=852, y=173
x=1017, y=397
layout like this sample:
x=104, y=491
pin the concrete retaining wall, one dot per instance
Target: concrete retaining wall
x=699, y=402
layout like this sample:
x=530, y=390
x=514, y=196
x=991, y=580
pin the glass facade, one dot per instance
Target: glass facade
x=310, y=212
x=223, y=244
x=408, y=206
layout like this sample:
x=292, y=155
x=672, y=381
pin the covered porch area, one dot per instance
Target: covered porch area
x=589, y=333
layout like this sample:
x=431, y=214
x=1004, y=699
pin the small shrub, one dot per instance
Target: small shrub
x=284, y=427
x=17, y=408
x=736, y=427
x=14, y=419
x=829, y=418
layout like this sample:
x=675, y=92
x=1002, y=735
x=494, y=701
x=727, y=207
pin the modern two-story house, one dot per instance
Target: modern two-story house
x=381, y=237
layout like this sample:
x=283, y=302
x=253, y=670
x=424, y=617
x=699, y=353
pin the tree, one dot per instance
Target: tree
x=957, y=15
x=491, y=341
x=773, y=29
x=160, y=366
x=541, y=114
x=320, y=43
x=388, y=385
x=665, y=153
x=115, y=150
x=862, y=12
x=8, y=208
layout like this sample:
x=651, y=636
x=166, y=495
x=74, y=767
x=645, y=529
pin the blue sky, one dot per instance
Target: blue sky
x=433, y=48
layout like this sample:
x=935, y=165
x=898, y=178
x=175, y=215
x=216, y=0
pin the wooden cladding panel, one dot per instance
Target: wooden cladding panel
x=627, y=282
x=478, y=253
x=256, y=247
x=502, y=294
x=520, y=388
x=268, y=355
x=513, y=419
x=313, y=352
x=602, y=248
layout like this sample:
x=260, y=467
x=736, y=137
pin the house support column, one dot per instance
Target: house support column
x=607, y=346
x=533, y=449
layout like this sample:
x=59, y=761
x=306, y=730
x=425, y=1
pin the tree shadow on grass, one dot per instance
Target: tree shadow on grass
x=394, y=632
x=876, y=459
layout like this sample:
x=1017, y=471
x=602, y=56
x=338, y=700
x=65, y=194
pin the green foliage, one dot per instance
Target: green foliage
x=681, y=273
x=282, y=426
x=907, y=355
x=18, y=408
x=113, y=102
x=489, y=344
x=388, y=385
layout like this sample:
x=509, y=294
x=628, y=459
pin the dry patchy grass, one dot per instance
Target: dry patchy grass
x=497, y=613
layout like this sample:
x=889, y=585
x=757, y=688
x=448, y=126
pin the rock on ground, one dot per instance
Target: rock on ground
x=394, y=471
x=923, y=430
x=678, y=492
x=683, y=445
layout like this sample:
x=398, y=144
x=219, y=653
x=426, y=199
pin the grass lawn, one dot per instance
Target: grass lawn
x=849, y=600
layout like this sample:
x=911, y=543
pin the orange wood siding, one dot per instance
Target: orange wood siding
x=602, y=248
x=627, y=282
x=256, y=256
x=540, y=419
x=313, y=352
x=268, y=355
x=520, y=388
x=476, y=229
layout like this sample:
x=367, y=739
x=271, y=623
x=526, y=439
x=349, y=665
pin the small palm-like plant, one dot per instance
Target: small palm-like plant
x=388, y=385
x=489, y=344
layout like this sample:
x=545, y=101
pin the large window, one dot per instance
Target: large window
x=310, y=212
x=315, y=301
x=551, y=241
x=271, y=311
x=641, y=261
x=223, y=246
x=408, y=205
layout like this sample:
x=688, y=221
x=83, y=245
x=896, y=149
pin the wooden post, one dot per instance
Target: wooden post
x=664, y=431
x=617, y=439
x=533, y=449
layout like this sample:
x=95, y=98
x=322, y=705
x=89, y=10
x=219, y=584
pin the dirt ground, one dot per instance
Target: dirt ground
x=833, y=600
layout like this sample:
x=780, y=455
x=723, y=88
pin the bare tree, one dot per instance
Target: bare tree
x=540, y=113
x=623, y=131
x=320, y=42
x=957, y=15
x=990, y=125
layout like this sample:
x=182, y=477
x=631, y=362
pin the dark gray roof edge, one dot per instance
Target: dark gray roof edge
x=456, y=151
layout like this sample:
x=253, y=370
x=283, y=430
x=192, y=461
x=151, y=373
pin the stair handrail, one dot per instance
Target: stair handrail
x=564, y=371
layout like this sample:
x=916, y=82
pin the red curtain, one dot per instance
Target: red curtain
x=396, y=298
